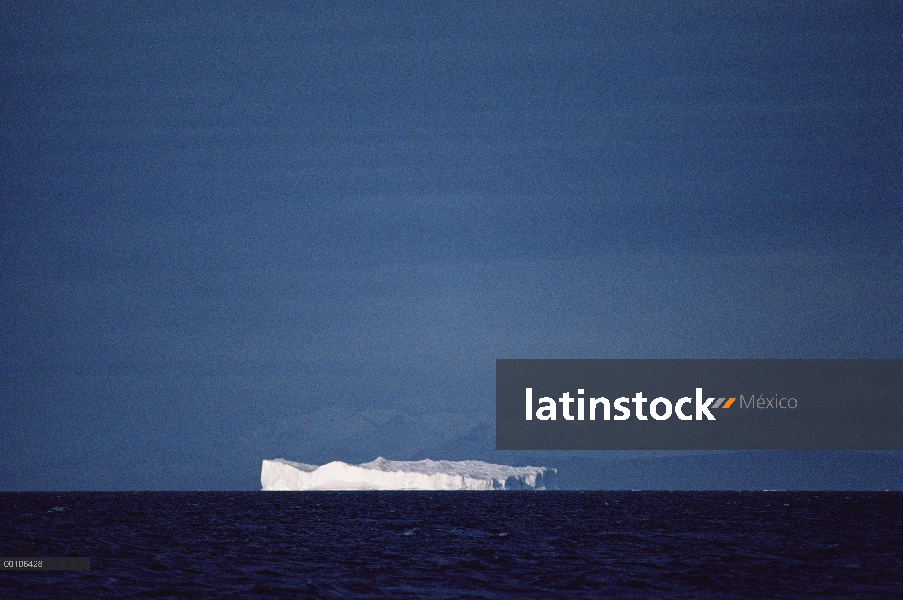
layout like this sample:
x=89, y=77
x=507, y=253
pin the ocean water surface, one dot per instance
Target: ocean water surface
x=565, y=544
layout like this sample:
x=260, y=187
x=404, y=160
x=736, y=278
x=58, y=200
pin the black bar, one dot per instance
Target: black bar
x=789, y=404
x=45, y=563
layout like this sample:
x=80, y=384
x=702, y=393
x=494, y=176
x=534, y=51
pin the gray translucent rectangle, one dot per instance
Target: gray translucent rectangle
x=45, y=563
x=792, y=404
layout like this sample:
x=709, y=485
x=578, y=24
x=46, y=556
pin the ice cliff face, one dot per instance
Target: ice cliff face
x=382, y=474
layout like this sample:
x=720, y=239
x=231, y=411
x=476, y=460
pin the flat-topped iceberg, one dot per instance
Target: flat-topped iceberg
x=382, y=474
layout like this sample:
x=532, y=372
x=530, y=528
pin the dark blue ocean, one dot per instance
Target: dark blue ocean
x=457, y=544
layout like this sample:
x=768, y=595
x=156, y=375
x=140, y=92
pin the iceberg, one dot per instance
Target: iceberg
x=382, y=474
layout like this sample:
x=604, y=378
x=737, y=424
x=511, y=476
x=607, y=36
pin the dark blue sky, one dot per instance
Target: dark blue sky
x=232, y=232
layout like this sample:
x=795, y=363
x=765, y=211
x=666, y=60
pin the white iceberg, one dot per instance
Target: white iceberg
x=382, y=474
